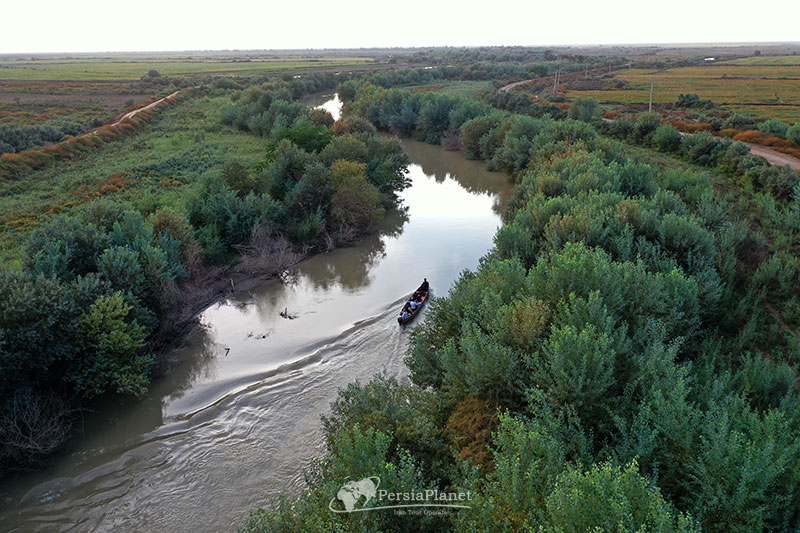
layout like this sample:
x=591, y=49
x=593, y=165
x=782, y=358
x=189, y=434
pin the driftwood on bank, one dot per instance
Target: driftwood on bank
x=268, y=252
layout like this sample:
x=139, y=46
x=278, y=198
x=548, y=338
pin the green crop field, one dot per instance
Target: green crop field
x=767, y=60
x=117, y=69
x=469, y=89
x=761, y=90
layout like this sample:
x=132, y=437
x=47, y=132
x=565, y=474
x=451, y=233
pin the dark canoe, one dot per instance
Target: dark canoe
x=416, y=311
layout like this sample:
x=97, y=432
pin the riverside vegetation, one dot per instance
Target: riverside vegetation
x=89, y=296
x=624, y=359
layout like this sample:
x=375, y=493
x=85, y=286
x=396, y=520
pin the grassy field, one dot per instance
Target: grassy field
x=104, y=69
x=470, y=89
x=179, y=147
x=767, y=60
x=32, y=113
x=763, y=90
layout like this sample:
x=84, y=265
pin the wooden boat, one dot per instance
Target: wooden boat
x=421, y=295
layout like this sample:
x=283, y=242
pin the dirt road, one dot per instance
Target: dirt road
x=773, y=157
x=506, y=88
x=133, y=113
x=569, y=76
x=149, y=106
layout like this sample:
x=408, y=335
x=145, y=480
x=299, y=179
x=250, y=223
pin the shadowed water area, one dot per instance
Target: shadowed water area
x=233, y=424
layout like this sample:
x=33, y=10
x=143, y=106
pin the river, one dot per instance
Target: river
x=235, y=421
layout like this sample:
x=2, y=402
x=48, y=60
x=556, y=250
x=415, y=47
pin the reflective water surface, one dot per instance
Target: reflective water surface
x=237, y=419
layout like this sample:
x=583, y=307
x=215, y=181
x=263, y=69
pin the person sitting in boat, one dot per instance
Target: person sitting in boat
x=404, y=315
x=425, y=285
x=414, y=305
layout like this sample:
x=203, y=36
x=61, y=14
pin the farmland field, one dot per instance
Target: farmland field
x=767, y=60
x=469, y=89
x=762, y=90
x=117, y=69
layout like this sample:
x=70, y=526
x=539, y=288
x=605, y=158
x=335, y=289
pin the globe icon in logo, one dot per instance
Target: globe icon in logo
x=352, y=491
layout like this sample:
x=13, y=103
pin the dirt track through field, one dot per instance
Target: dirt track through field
x=510, y=86
x=774, y=157
x=133, y=113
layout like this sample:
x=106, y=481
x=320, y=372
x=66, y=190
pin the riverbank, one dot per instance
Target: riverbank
x=139, y=270
x=226, y=282
x=239, y=409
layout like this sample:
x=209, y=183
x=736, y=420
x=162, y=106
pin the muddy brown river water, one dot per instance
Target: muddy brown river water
x=237, y=419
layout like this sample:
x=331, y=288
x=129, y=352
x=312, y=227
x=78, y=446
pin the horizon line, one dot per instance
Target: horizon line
x=420, y=47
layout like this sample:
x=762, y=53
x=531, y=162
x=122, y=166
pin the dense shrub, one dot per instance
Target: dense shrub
x=585, y=109
x=780, y=182
x=774, y=127
x=15, y=139
x=473, y=130
x=666, y=138
x=355, y=202
x=793, y=133
x=739, y=121
x=645, y=125
x=234, y=217
x=693, y=101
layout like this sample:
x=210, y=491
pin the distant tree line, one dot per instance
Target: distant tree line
x=506, y=54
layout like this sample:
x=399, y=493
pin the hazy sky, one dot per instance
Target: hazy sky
x=93, y=25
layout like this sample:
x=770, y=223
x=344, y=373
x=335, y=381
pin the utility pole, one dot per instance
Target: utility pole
x=555, y=79
x=650, y=107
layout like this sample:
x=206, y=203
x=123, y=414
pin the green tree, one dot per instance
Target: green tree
x=110, y=342
x=473, y=130
x=585, y=109
x=610, y=498
x=645, y=125
x=236, y=176
x=37, y=330
x=667, y=138
x=348, y=147
x=434, y=118
x=65, y=247
x=356, y=202
x=309, y=137
x=774, y=127
x=793, y=133
x=576, y=367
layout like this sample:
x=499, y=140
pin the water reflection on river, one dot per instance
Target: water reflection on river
x=235, y=421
